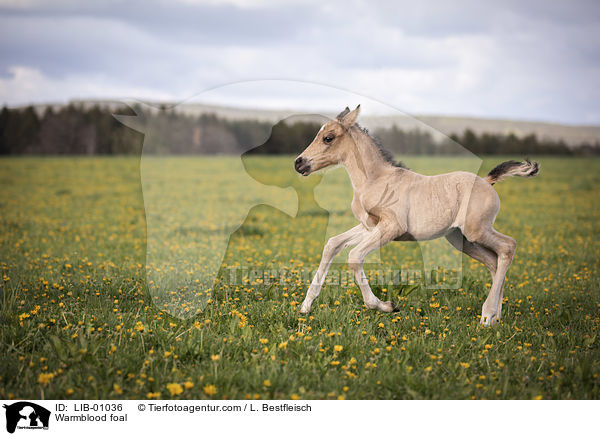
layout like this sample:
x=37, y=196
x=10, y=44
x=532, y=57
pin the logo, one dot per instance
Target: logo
x=26, y=415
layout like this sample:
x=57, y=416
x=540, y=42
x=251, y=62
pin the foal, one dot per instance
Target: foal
x=393, y=203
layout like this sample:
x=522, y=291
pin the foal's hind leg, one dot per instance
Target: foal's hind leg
x=474, y=250
x=504, y=247
x=480, y=253
x=331, y=249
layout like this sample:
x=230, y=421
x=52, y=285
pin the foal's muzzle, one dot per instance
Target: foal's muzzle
x=302, y=166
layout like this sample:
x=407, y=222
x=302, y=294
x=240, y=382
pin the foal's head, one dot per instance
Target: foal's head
x=330, y=145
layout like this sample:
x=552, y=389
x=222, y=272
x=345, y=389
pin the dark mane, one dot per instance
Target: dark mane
x=386, y=154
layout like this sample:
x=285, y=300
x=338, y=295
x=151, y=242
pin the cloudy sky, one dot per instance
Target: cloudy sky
x=535, y=60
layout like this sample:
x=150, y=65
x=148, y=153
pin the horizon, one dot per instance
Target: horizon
x=172, y=104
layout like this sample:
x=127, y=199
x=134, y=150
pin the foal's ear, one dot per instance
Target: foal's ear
x=350, y=118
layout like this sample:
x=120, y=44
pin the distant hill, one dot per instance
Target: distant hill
x=571, y=134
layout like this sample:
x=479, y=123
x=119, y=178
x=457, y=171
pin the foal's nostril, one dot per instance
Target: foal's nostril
x=302, y=166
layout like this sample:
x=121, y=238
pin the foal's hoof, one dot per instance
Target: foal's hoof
x=304, y=311
x=489, y=320
x=388, y=306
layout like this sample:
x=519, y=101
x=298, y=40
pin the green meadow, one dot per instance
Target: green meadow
x=119, y=279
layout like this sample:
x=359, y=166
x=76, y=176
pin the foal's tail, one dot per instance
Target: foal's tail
x=513, y=168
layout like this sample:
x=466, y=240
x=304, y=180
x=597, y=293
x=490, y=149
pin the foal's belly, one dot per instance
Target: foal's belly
x=424, y=234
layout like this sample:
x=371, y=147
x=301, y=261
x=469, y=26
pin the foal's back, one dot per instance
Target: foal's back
x=436, y=204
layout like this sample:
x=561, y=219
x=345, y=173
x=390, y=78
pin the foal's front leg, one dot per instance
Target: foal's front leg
x=331, y=249
x=378, y=237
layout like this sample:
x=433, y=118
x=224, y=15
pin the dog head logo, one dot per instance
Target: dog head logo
x=26, y=415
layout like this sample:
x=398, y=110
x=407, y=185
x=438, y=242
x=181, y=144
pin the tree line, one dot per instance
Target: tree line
x=93, y=130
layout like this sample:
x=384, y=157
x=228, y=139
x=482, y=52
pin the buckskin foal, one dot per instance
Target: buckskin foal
x=393, y=203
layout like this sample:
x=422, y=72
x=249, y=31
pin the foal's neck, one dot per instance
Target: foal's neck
x=364, y=161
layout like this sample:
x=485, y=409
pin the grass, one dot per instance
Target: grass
x=80, y=317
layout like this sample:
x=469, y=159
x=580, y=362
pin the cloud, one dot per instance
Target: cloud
x=506, y=59
x=189, y=22
x=31, y=85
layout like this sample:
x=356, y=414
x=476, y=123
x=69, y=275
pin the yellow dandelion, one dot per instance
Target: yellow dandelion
x=210, y=390
x=45, y=378
x=174, y=388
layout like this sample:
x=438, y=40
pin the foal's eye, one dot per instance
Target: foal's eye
x=328, y=139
